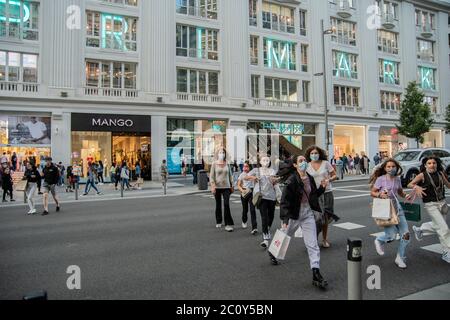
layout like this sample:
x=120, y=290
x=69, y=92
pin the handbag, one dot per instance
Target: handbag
x=279, y=245
x=393, y=219
x=412, y=210
x=246, y=193
x=257, y=195
x=443, y=206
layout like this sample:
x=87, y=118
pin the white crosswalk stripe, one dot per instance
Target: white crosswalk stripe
x=436, y=248
x=349, y=226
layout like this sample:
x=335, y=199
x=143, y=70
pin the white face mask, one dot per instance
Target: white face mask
x=221, y=156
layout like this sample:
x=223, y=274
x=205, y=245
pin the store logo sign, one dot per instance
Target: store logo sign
x=112, y=123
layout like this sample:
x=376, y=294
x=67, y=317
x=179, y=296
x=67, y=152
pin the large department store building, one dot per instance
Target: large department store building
x=146, y=80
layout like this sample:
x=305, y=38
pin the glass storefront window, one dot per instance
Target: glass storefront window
x=349, y=140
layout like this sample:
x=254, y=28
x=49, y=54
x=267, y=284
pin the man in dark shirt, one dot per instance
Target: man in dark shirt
x=50, y=173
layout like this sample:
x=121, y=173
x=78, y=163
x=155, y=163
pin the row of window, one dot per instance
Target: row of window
x=280, y=89
x=18, y=67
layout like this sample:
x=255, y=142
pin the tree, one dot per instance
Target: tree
x=447, y=120
x=415, y=115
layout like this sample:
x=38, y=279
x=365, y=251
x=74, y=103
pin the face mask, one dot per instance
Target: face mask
x=221, y=156
x=315, y=157
x=393, y=172
x=303, y=166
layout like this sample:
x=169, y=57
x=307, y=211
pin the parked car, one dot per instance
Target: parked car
x=411, y=160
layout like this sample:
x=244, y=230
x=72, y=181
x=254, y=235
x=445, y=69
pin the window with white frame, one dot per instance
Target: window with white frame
x=19, y=19
x=346, y=96
x=387, y=41
x=304, y=57
x=197, y=42
x=255, y=86
x=344, y=32
x=197, y=81
x=425, y=20
x=111, y=74
x=253, y=12
x=345, y=65
x=108, y=31
x=305, y=91
x=133, y=3
x=303, y=22
x=343, y=3
x=254, y=53
x=278, y=18
x=387, y=9
x=426, y=78
x=279, y=54
x=199, y=8
x=425, y=50
x=432, y=102
x=280, y=89
x=390, y=101
x=18, y=67
x=389, y=71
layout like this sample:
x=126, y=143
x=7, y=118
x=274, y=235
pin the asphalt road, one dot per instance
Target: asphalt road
x=168, y=248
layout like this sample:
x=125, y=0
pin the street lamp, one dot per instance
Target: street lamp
x=324, y=74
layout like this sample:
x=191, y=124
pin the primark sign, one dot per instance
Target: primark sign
x=111, y=123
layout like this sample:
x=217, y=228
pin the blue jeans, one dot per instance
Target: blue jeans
x=390, y=234
x=125, y=182
x=89, y=184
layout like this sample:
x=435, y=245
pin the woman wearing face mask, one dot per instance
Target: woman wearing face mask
x=387, y=185
x=300, y=197
x=246, y=189
x=320, y=169
x=429, y=186
x=265, y=180
x=222, y=186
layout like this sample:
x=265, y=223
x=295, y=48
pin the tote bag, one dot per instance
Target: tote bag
x=279, y=245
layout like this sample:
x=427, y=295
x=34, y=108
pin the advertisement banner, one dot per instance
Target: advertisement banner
x=25, y=130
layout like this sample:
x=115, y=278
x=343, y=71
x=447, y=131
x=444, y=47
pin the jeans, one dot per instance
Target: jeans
x=390, y=234
x=438, y=224
x=126, y=182
x=246, y=203
x=225, y=193
x=267, y=210
x=307, y=223
x=31, y=190
x=90, y=183
x=113, y=178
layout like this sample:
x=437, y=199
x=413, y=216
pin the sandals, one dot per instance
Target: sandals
x=326, y=244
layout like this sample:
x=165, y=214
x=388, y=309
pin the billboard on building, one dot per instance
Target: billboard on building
x=26, y=130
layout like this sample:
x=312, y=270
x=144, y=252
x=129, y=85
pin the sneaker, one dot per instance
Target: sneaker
x=244, y=225
x=379, y=247
x=254, y=232
x=45, y=213
x=318, y=280
x=5, y=201
x=12, y=200
x=99, y=193
x=29, y=212
x=446, y=256
x=218, y=226
x=58, y=209
x=418, y=233
x=33, y=212
x=85, y=194
x=273, y=260
x=229, y=229
x=400, y=262
x=265, y=244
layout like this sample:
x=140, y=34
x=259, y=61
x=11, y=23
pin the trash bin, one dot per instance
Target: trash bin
x=202, y=180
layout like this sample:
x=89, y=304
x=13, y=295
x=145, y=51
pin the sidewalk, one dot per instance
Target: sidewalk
x=437, y=293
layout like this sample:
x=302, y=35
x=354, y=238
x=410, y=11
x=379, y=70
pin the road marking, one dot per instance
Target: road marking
x=350, y=190
x=436, y=248
x=351, y=197
x=237, y=202
x=359, y=185
x=349, y=226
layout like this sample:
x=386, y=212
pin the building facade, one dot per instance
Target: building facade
x=147, y=80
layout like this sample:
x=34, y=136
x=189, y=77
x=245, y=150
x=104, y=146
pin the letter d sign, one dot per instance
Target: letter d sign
x=74, y=281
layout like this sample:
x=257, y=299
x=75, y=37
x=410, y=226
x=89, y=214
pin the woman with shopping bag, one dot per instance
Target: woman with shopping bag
x=299, y=200
x=430, y=185
x=386, y=184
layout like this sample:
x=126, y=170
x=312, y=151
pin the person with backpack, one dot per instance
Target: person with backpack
x=429, y=186
x=299, y=200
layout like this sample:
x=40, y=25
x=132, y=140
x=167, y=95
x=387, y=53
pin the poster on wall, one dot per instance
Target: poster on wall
x=28, y=130
x=174, y=160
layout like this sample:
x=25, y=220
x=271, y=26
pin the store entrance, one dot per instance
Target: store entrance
x=133, y=149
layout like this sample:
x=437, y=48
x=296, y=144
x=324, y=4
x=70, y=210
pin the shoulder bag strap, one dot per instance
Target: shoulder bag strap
x=434, y=185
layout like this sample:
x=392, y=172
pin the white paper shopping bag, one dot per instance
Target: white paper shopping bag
x=279, y=245
x=299, y=233
x=381, y=209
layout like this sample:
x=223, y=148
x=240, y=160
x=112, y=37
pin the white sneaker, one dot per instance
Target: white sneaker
x=33, y=211
x=218, y=226
x=446, y=256
x=244, y=225
x=254, y=232
x=29, y=212
x=379, y=247
x=229, y=229
x=400, y=262
x=265, y=244
x=418, y=233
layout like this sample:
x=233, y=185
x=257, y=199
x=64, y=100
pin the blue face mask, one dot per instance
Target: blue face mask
x=315, y=157
x=303, y=166
x=393, y=172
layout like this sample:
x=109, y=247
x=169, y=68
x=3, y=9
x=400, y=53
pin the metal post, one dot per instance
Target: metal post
x=165, y=185
x=326, y=137
x=76, y=190
x=24, y=196
x=354, y=271
x=121, y=188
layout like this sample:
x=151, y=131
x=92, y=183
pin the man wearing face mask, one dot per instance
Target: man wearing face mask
x=300, y=198
x=222, y=186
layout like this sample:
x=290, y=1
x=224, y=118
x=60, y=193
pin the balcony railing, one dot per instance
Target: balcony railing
x=192, y=97
x=281, y=104
x=18, y=87
x=197, y=12
x=348, y=109
x=111, y=92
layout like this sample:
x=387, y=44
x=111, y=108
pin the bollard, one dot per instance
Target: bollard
x=121, y=188
x=354, y=272
x=24, y=197
x=76, y=190
x=165, y=186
